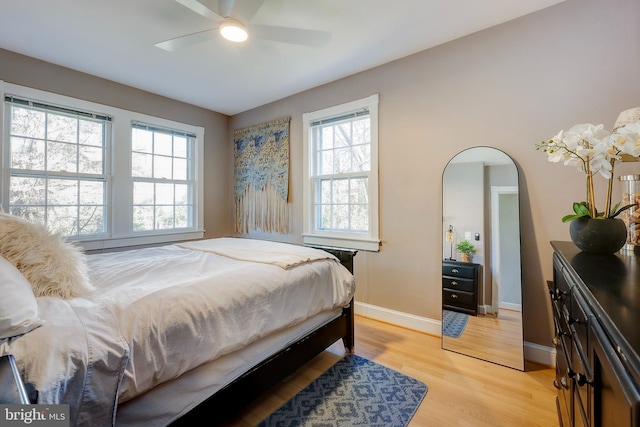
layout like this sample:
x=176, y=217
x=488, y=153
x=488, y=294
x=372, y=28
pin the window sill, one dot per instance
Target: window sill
x=124, y=242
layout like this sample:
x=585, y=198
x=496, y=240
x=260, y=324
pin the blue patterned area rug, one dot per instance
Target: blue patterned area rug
x=353, y=392
x=453, y=323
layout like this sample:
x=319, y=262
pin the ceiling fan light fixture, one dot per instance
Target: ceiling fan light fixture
x=233, y=31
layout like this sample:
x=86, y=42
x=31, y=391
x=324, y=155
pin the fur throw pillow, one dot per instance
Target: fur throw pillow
x=53, y=266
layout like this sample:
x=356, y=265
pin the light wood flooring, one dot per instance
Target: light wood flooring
x=490, y=337
x=463, y=391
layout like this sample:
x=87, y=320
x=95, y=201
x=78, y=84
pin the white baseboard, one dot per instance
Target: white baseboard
x=406, y=320
x=484, y=309
x=532, y=352
x=540, y=354
x=510, y=306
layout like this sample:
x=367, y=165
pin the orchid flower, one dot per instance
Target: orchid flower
x=594, y=151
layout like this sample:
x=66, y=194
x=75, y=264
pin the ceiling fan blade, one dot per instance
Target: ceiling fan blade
x=246, y=9
x=291, y=35
x=225, y=7
x=188, y=40
x=200, y=9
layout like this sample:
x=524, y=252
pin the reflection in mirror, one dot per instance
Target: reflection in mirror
x=482, y=298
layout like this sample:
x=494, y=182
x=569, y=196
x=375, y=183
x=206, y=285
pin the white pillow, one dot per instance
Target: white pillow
x=53, y=266
x=18, y=305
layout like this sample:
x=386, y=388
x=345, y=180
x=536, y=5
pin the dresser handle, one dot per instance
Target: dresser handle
x=455, y=270
x=454, y=283
x=454, y=296
x=620, y=353
x=562, y=383
x=582, y=379
x=556, y=340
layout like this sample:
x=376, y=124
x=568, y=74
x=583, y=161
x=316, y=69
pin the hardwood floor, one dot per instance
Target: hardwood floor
x=496, y=338
x=463, y=391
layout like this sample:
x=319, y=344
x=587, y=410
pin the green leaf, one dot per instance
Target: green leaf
x=581, y=210
x=568, y=218
x=622, y=209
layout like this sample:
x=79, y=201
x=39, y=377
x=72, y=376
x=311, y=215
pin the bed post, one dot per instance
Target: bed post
x=346, y=258
x=349, y=339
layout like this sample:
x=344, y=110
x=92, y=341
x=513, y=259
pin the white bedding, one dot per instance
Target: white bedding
x=285, y=256
x=158, y=313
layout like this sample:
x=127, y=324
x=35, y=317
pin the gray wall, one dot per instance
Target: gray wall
x=509, y=87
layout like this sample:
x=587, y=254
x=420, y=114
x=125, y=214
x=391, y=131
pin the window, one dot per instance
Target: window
x=57, y=173
x=103, y=176
x=341, y=166
x=162, y=182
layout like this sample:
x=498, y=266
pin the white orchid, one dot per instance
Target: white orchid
x=594, y=151
x=627, y=139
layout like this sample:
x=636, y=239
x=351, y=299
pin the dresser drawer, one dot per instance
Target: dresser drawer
x=467, y=271
x=458, y=299
x=457, y=284
x=460, y=282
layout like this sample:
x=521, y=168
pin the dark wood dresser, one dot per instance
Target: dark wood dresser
x=460, y=286
x=596, y=312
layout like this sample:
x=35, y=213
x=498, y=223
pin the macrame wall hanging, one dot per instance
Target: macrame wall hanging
x=261, y=166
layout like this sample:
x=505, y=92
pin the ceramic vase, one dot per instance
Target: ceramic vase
x=603, y=235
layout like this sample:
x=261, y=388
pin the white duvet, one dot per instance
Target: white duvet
x=159, y=312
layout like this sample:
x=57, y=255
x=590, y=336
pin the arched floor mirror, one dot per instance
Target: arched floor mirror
x=482, y=297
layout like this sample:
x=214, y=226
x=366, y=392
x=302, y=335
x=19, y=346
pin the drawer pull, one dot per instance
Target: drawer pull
x=561, y=384
x=556, y=340
x=581, y=379
x=454, y=296
x=621, y=354
x=454, y=283
x=455, y=270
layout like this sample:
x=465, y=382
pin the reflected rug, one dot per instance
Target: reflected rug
x=353, y=392
x=453, y=323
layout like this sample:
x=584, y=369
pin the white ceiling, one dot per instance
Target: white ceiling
x=115, y=40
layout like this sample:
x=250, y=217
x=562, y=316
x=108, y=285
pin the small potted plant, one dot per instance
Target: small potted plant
x=465, y=248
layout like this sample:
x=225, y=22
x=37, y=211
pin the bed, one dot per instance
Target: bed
x=162, y=335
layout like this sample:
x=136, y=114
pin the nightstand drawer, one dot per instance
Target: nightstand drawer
x=467, y=271
x=457, y=284
x=458, y=299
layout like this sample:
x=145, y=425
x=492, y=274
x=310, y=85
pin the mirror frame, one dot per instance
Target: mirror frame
x=486, y=259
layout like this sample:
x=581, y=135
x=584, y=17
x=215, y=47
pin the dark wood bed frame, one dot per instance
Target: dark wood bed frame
x=279, y=366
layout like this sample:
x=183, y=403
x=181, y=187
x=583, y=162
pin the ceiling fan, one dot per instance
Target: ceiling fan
x=233, y=19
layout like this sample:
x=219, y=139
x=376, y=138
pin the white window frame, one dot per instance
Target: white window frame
x=362, y=241
x=189, y=180
x=119, y=212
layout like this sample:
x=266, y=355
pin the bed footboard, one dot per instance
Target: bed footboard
x=281, y=365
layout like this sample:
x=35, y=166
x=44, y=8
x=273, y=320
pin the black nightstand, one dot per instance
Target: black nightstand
x=460, y=286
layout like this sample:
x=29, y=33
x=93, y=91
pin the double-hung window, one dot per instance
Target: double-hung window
x=341, y=169
x=102, y=176
x=57, y=166
x=162, y=180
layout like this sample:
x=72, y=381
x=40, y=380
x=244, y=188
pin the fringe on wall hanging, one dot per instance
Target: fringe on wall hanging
x=261, y=169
